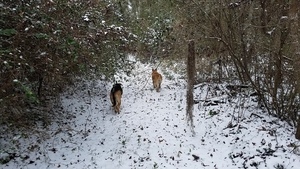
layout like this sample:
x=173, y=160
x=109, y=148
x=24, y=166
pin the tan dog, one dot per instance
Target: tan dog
x=157, y=79
x=115, y=97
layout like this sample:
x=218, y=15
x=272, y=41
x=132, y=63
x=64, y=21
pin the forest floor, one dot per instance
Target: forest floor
x=230, y=131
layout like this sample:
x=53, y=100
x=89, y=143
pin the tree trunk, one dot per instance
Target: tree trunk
x=190, y=81
x=298, y=130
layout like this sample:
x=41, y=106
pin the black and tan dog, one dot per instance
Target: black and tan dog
x=115, y=96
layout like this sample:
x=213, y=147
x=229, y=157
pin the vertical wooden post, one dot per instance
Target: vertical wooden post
x=190, y=82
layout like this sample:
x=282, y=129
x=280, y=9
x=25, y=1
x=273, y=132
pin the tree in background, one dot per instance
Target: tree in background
x=294, y=16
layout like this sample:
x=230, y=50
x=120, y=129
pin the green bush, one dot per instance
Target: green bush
x=44, y=45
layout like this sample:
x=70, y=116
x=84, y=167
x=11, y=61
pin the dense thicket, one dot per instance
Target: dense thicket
x=45, y=44
x=254, y=43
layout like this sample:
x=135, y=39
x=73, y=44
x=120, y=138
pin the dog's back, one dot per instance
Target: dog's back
x=157, y=79
x=115, y=96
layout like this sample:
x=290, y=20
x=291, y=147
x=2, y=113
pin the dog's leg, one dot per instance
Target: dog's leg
x=118, y=101
x=112, y=99
x=117, y=108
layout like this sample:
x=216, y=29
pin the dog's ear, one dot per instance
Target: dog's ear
x=118, y=84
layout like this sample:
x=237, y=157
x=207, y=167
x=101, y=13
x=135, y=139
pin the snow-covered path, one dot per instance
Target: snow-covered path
x=151, y=131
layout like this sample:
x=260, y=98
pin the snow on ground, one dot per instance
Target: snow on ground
x=152, y=132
